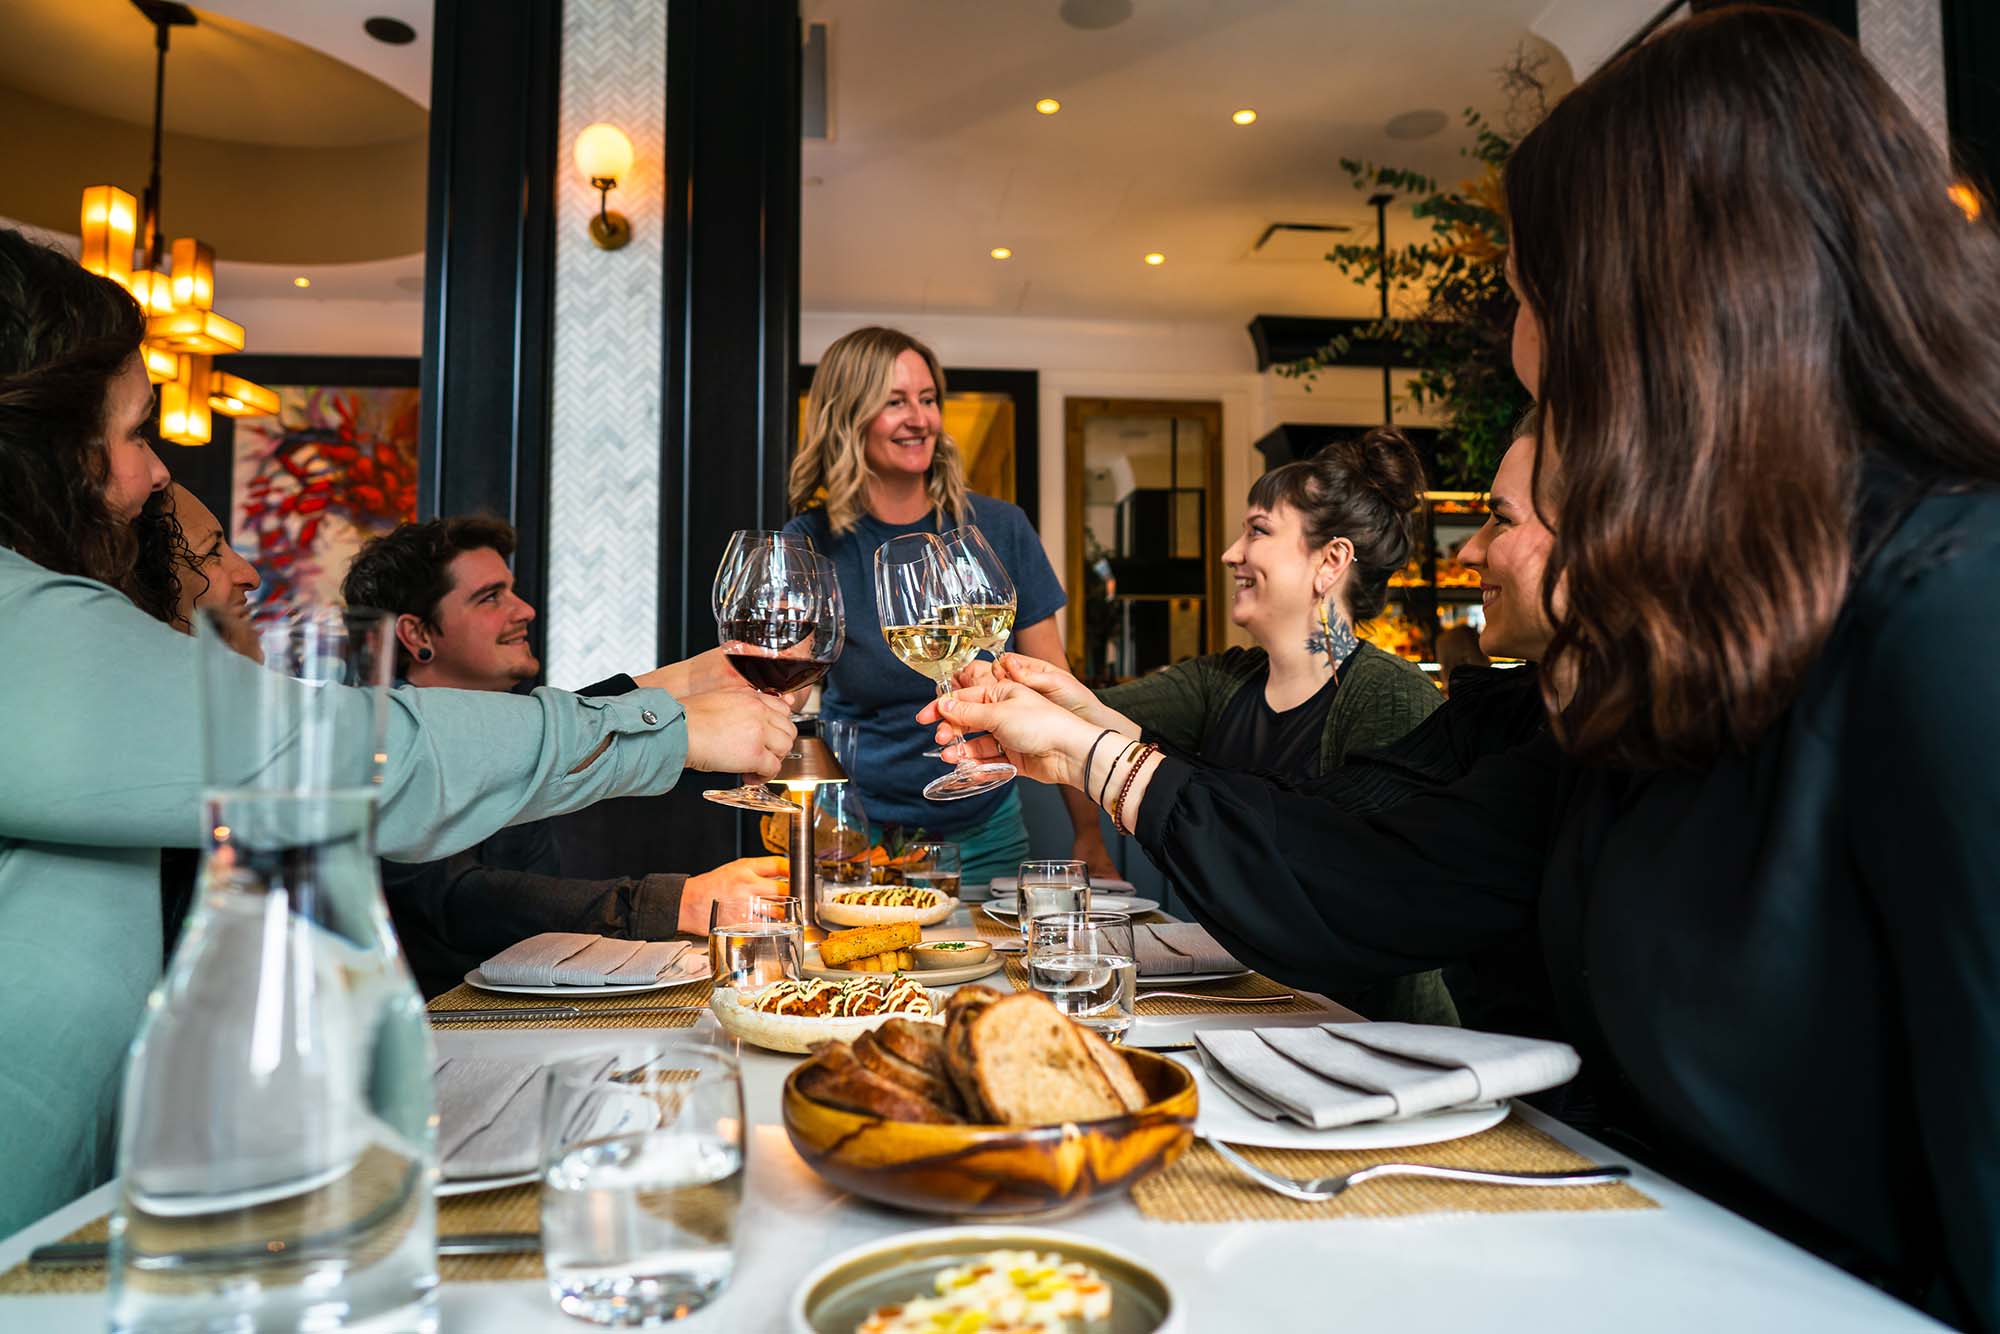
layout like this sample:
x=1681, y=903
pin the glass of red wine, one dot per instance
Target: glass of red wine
x=782, y=625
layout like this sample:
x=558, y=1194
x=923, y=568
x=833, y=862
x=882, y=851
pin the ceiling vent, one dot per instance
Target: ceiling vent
x=815, y=116
x=1296, y=242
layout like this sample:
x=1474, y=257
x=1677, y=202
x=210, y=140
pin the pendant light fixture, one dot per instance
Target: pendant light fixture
x=183, y=331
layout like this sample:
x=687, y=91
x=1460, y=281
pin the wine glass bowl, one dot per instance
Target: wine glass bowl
x=921, y=604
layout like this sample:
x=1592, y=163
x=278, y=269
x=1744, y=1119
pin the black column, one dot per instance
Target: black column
x=489, y=266
x=726, y=400
x=1972, y=86
x=732, y=292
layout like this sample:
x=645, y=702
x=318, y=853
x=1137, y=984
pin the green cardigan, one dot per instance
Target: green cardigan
x=102, y=769
x=1381, y=697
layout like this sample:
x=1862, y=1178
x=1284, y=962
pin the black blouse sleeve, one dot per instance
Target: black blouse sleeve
x=1313, y=896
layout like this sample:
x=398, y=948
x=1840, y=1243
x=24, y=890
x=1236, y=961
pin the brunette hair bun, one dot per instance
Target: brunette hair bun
x=1365, y=490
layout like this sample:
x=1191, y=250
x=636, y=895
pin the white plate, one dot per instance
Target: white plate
x=927, y=977
x=616, y=1116
x=857, y=914
x=1007, y=907
x=798, y=1034
x=1172, y=981
x=475, y=1185
x=696, y=973
x=1003, y=886
x=1228, y=1120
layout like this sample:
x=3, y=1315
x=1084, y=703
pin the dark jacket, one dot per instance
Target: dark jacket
x=452, y=915
x=1784, y=969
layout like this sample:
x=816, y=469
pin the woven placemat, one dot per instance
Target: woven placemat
x=597, y=1013
x=1203, y=1188
x=515, y=1209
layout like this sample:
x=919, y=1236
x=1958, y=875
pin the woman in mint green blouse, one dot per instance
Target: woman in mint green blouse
x=100, y=766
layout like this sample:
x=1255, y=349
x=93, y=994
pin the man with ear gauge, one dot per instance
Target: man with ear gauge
x=1756, y=845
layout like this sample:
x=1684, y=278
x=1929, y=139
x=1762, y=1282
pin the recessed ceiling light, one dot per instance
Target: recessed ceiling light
x=1155, y=258
x=1048, y=106
x=1244, y=117
x=302, y=281
x=393, y=31
x=1001, y=252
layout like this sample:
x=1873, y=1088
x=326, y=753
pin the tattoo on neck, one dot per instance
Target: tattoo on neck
x=1336, y=639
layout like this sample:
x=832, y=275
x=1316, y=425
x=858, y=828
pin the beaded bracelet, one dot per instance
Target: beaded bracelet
x=1105, y=791
x=1090, y=755
x=1125, y=790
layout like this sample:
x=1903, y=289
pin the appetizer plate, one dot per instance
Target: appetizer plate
x=693, y=972
x=840, y=1294
x=929, y=977
x=799, y=1034
x=1222, y=1117
x=855, y=914
x=1006, y=907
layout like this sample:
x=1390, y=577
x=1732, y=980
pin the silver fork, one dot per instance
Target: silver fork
x=1325, y=1188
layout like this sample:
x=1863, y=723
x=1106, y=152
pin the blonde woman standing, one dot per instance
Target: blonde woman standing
x=876, y=464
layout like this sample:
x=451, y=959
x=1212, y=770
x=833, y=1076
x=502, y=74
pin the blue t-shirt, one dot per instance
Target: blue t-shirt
x=880, y=694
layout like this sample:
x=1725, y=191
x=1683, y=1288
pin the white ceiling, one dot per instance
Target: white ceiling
x=938, y=154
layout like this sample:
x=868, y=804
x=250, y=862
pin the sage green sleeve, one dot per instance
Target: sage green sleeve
x=104, y=735
x=1376, y=706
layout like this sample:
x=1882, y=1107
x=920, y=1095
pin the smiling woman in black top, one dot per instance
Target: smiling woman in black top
x=1759, y=842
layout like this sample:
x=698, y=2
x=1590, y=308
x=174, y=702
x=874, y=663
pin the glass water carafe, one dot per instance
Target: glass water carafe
x=277, y=1154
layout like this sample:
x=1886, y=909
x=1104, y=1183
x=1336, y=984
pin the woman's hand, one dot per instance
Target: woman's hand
x=731, y=884
x=1041, y=739
x=1058, y=686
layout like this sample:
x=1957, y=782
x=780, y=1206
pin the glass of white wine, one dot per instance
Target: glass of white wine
x=919, y=599
x=988, y=612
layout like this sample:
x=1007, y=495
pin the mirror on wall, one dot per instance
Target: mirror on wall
x=1144, y=534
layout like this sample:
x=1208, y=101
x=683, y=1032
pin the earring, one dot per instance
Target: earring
x=423, y=655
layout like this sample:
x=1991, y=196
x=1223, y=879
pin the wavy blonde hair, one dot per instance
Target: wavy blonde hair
x=850, y=388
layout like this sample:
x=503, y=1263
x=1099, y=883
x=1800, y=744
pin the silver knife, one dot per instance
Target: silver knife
x=85, y=1254
x=552, y=1012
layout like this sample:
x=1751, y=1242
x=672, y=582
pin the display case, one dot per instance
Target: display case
x=1436, y=590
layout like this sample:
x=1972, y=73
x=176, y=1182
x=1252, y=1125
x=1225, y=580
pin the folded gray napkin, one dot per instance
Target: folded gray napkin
x=1176, y=948
x=573, y=959
x=1344, y=1074
x=490, y=1116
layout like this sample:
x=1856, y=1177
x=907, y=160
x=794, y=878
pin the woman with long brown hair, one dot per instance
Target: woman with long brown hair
x=1759, y=844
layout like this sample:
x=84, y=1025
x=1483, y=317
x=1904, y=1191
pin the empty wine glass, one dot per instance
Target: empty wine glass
x=917, y=598
x=782, y=626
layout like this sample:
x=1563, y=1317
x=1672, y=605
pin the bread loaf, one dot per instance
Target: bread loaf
x=874, y=1053
x=840, y=948
x=1032, y=1066
x=837, y=1077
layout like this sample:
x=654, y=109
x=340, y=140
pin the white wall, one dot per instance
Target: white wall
x=1129, y=359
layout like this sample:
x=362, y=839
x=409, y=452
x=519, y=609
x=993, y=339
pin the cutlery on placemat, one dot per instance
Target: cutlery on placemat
x=1314, y=1189
x=84, y=1254
x=553, y=1012
x=1218, y=1000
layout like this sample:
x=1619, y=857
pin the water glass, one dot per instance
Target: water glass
x=1059, y=932
x=749, y=951
x=934, y=866
x=1050, y=887
x=1089, y=972
x=642, y=1179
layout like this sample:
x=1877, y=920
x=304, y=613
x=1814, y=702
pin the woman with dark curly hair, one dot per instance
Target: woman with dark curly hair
x=1758, y=844
x=103, y=752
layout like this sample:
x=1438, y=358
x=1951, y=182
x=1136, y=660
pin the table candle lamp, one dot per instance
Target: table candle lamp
x=810, y=765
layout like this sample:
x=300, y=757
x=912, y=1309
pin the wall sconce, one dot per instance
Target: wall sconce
x=604, y=156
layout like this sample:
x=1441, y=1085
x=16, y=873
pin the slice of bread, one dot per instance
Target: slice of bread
x=922, y=1045
x=1031, y=1066
x=966, y=1004
x=835, y=1076
x=838, y=949
x=873, y=1053
x=1115, y=1067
